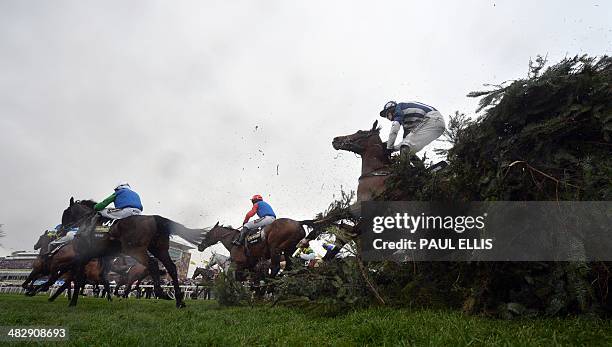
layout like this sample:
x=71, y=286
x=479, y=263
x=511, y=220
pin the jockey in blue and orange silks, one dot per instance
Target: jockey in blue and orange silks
x=264, y=212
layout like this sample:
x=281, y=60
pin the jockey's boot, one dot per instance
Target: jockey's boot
x=240, y=240
x=410, y=158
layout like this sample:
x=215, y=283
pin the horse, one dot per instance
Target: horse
x=281, y=238
x=133, y=236
x=135, y=273
x=220, y=260
x=208, y=276
x=375, y=162
x=39, y=266
x=94, y=274
x=375, y=170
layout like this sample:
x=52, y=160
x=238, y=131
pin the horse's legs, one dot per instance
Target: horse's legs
x=137, y=289
x=164, y=257
x=332, y=254
x=31, y=277
x=79, y=272
x=128, y=287
x=274, y=261
x=45, y=286
x=288, y=262
x=60, y=290
x=151, y=263
x=106, y=290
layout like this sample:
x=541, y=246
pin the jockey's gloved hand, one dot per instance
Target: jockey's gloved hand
x=389, y=151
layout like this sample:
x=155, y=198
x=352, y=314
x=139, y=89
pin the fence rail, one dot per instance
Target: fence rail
x=203, y=291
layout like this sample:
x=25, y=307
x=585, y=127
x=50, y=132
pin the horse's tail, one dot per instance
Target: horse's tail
x=168, y=227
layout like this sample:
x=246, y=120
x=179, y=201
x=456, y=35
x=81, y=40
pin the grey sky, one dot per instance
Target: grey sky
x=197, y=103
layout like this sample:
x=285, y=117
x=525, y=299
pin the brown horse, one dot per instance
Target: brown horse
x=132, y=236
x=39, y=267
x=94, y=274
x=134, y=274
x=281, y=238
x=375, y=162
x=375, y=169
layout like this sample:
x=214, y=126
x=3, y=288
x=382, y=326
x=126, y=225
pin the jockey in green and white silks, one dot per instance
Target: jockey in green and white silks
x=127, y=203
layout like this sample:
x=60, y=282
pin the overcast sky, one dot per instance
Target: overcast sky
x=199, y=105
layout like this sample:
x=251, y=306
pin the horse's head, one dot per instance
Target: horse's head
x=43, y=240
x=360, y=141
x=210, y=238
x=76, y=210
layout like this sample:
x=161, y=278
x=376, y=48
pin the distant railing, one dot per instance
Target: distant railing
x=203, y=292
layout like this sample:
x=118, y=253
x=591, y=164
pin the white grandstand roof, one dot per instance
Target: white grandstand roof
x=181, y=242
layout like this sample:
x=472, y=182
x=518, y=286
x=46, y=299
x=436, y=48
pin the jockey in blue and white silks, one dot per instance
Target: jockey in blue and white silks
x=422, y=124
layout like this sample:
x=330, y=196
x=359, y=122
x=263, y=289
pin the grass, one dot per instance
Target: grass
x=96, y=322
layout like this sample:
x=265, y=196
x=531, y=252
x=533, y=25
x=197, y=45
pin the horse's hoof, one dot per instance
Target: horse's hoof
x=180, y=305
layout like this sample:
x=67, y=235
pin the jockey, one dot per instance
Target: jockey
x=264, y=212
x=69, y=236
x=127, y=203
x=422, y=124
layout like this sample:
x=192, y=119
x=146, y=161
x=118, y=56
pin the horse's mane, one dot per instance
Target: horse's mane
x=88, y=203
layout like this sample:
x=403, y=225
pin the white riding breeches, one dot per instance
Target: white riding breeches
x=423, y=134
x=64, y=239
x=115, y=213
x=259, y=222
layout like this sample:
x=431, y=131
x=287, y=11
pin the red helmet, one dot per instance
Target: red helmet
x=256, y=197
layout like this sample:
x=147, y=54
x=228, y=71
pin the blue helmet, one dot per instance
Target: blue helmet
x=389, y=105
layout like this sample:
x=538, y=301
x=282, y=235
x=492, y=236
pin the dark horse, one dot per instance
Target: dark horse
x=281, y=238
x=132, y=236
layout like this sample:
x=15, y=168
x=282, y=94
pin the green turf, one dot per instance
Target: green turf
x=96, y=322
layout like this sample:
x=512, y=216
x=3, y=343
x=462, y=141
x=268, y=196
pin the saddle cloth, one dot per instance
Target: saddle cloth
x=255, y=236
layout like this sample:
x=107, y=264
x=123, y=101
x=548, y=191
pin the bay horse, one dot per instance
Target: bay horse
x=375, y=170
x=133, y=236
x=94, y=274
x=39, y=267
x=133, y=274
x=375, y=162
x=281, y=238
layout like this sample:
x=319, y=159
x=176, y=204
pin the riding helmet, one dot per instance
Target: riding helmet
x=388, y=105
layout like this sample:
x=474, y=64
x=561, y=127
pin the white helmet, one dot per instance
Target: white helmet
x=122, y=185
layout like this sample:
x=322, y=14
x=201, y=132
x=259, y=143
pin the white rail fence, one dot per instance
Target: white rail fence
x=203, y=292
